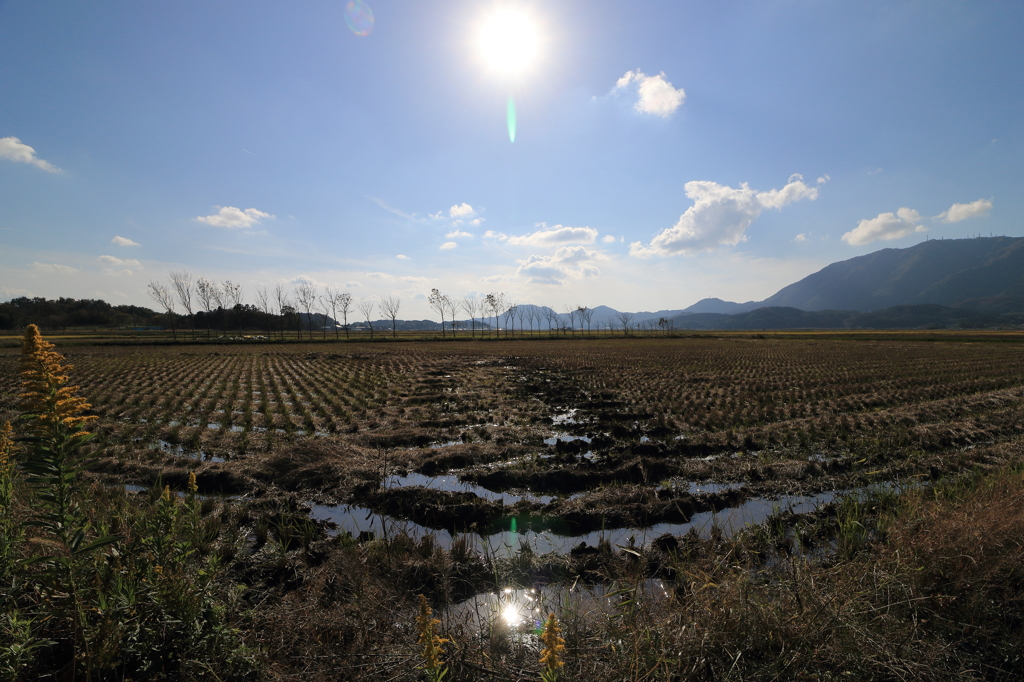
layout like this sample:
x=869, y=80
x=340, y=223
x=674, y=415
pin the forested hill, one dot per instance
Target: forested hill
x=62, y=312
x=950, y=272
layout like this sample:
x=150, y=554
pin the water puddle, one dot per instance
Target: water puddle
x=452, y=483
x=565, y=417
x=523, y=611
x=565, y=438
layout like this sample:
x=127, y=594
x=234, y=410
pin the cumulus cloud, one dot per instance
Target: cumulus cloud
x=556, y=235
x=123, y=241
x=720, y=215
x=655, y=95
x=958, y=212
x=231, y=217
x=458, y=234
x=402, y=256
x=448, y=246
x=568, y=262
x=53, y=268
x=885, y=227
x=463, y=210
x=13, y=149
x=499, y=236
x=608, y=239
x=113, y=261
x=802, y=237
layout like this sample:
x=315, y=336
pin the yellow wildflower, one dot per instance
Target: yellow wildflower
x=553, y=647
x=6, y=445
x=429, y=640
x=45, y=393
x=193, y=487
x=166, y=494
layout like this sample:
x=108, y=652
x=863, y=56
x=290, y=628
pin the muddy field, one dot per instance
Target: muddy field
x=549, y=443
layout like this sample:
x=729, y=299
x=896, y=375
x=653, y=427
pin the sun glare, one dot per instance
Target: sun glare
x=509, y=41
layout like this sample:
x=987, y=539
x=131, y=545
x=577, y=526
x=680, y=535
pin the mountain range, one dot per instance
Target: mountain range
x=976, y=282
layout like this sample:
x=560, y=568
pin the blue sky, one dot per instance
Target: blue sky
x=664, y=151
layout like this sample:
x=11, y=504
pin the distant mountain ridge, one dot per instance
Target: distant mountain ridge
x=946, y=272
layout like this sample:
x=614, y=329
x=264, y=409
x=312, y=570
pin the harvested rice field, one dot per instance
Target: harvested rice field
x=493, y=474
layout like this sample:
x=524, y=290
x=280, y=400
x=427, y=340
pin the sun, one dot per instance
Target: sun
x=508, y=41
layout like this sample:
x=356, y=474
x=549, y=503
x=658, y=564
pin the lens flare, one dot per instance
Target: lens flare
x=510, y=116
x=359, y=17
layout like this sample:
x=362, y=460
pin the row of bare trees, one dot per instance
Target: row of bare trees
x=307, y=302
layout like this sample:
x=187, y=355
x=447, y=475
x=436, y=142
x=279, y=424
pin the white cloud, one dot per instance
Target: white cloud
x=112, y=261
x=720, y=215
x=13, y=292
x=13, y=149
x=958, y=212
x=352, y=284
x=655, y=95
x=491, y=234
x=557, y=235
x=608, y=239
x=53, y=268
x=123, y=241
x=448, y=246
x=885, y=227
x=458, y=234
x=476, y=222
x=568, y=262
x=802, y=237
x=402, y=256
x=229, y=216
x=463, y=210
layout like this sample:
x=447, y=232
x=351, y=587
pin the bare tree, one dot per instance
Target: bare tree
x=232, y=299
x=531, y=315
x=439, y=305
x=552, y=318
x=283, y=303
x=496, y=304
x=330, y=302
x=520, y=314
x=263, y=303
x=389, y=306
x=585, y=314
x=184, y=287
x=208, y=294
x=469, y=305
x=571, y=312
x=163, y=297
x=510, y=319
x=344, y=302
x=325, y=305
x=624, y=319
x=366, y=307
x=305, y=292
x=452, y=306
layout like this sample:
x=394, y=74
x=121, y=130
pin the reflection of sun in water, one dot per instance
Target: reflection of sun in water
x=509, y=41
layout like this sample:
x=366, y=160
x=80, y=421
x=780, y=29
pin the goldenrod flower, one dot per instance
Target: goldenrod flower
x=429, y=640
x=6, y=445
x=193, y=487
x=166, y=496
x=553, y=647
x=45, y=393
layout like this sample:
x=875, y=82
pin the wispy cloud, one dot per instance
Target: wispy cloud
x=123, y=241
x=958, y=212
x=556, y=235
x=447, y=246
x=53, y=268
x=885, y=227
x=720, y=215
x=655, y=95
x=111, y=261
x=458, y=234
x=402, y=256
x=231, y=217
x=13, y=149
